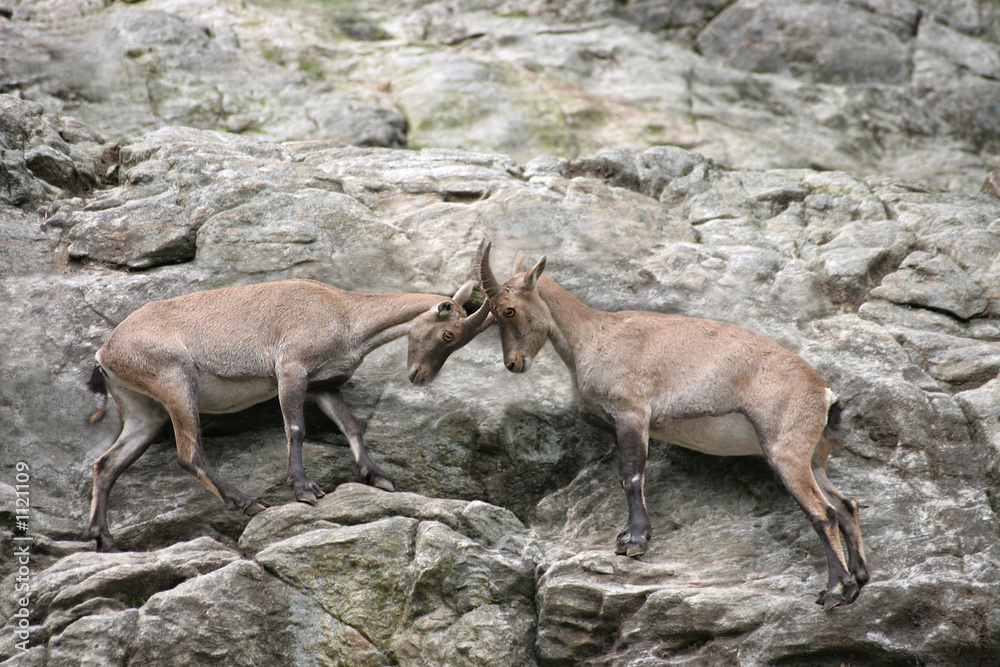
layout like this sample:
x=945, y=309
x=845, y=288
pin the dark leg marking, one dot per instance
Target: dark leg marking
x=333, y=406
x=632, y=438
x=292, y=385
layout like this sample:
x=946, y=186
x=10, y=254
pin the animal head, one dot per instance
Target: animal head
x=440, y=331
x=520, y=312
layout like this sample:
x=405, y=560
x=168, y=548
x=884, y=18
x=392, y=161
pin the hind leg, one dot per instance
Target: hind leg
x=849, y=521
x=142, y=420
x=179, y=397
x=841, y=587
x=791, y=458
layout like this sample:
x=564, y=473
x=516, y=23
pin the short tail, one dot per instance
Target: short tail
x=832, y=431
x=98, y=385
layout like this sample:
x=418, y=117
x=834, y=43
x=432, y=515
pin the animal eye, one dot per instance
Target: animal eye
x=509, y=312
x=448, y=336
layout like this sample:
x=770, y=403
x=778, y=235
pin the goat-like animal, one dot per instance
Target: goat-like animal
x=709, y=386
x=224, y=350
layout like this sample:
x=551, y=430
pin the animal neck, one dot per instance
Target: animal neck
x=572, y=320
x=387, y=317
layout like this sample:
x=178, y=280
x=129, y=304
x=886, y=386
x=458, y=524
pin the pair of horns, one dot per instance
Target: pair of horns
x=489, y=283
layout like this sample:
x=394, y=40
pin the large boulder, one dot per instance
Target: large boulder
x=361, y=579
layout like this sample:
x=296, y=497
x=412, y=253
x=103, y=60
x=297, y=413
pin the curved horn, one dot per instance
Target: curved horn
x=487, y=281
x=478, y=321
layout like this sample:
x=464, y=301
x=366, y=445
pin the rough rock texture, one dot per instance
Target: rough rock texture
x=498, y=548
x=905, y=88
x=336, y=585
x=129, y=68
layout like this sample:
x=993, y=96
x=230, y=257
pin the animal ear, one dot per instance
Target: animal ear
x=521, y=262
x=445, y=307
x=463, y=293
x=531, y=277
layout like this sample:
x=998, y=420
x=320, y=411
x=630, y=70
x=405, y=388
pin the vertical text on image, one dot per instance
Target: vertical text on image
x=22, y=556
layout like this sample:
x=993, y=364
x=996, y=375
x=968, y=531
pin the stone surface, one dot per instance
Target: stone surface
x=129, y=68
x=902, y=88
x=934, y=282
x=498, y=547
x=404, y=579
x=397, y=590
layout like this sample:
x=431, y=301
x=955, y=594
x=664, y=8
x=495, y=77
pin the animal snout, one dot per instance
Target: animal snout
x=421, y=374
x=518, y=363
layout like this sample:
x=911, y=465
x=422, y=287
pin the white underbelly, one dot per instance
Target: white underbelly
x=219, y=395
x=728, y=435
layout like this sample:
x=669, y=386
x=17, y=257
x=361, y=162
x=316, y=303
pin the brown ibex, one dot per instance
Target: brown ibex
x=709, y=386
x=224, y=350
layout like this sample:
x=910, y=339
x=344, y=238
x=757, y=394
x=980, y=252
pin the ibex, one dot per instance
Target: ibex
x=710, y=386
x=224, y=350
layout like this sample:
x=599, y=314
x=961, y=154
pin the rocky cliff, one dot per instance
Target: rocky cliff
x=808, y=170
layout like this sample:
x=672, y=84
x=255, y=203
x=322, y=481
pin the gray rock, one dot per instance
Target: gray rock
x=86, y=585
x=44, y=155
x=955, y=360
x=417, y=589
x=354, y=504
x=407, y=590
x=901, y=87
x=822, y=41
x=233, y=614
x=100, y=638
x=43, y=158
x=130, y=69
x=861, y=252
x=933, y=281
x=134, y=236
x=239, y=615
x=957, y=71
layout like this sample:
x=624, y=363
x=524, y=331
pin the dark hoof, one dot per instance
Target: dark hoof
x=307, y=497
x=630, y=545
x=380, y=481
x=844, y=593
x=105, y=544
x=309, y=493
x=254, y=507
x=829, y=600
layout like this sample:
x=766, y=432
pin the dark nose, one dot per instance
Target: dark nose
x=511, y=366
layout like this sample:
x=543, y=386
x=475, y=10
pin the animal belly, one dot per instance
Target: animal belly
x=728, y=435
x=219, y=395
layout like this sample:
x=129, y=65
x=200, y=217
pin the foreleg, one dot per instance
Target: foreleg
x=850, y=526
x=632, y=439
x=292, y=383
x=333, y=406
